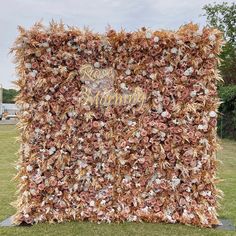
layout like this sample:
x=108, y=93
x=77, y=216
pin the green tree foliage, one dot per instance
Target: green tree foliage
x=9, y=95
x=227, y=121
x=223, y=17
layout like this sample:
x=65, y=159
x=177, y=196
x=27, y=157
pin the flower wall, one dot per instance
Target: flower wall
x=149, y=160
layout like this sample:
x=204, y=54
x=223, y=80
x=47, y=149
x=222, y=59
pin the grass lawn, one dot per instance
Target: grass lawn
x=8, y=149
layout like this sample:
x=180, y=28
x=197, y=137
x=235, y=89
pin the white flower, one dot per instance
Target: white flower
x=47, y=97
x=122, y=161
x=109, y=177
x=164, y=113
x=132, y=218
x=88, y=51
x=174, y=50
x=18, y=167
x=127, y=178
x=69, y=43
x=37, y=130
x=97, y=64
x=202, y=127
x=82, y=164
x=211, y=55
x=33, y=73
x=28, y=65
x=26, y=215
x=203, y=141
x=157, y=180
x=154, y=131
x=128, y=72
x=92, y=203
x=153, y=76
x=24, y=177
x=156, y=39
x=212, y=37
x=52, y=89
x=169, y=69
x=199, y=32
x=51, y=150
x=212, y=114
x=206, y=193
x=131, y=61
x=156, y=93
x=175, y=121
x=144, y=73
x=188, y=189
x=103, y=202
x=175, y=181
x=137, y=134
x=162, y=134
x=187, y=214
x=32, y=191
x=159, y=109
x=145, y=209
x=123, y=86
x=193, y=94
x=148, y=35
x=130, y=122
x=180, y=42
x=160, y=98
x=193, y=45
x=167, y=80
x=198, y=167
x=189, y=71
x=45, y=44
x=29, y=168
x=25, y=106
x=75, y=186
x=71, y=113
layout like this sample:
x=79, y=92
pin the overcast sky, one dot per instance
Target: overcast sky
x=97, y=14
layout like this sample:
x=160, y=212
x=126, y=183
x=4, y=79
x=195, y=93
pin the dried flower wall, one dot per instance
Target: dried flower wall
x=151, y=160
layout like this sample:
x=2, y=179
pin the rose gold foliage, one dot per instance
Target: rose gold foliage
x=151, y=163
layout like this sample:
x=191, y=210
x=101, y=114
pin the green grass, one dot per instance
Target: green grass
x=8, y=148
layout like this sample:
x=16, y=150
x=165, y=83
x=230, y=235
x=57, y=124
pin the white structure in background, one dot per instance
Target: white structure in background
x=1, y=108
x=10, y=109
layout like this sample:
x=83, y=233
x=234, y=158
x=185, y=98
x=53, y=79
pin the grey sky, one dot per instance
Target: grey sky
x=97, y=14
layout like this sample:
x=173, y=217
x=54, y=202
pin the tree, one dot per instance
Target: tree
x=9, y=95
x=223, y=17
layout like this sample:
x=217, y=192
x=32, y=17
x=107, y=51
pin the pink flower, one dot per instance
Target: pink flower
x=41, y=186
